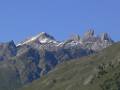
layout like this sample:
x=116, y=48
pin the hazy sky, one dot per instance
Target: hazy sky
x=61, y=18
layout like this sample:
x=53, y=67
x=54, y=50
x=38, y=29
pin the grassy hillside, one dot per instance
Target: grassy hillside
x=8, y=77
x=97, y=72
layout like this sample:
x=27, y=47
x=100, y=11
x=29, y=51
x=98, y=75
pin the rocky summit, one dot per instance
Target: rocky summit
x=35, y=57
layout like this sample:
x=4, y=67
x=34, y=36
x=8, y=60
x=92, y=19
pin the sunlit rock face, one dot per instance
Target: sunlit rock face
x=38, y=55
x=96, y=43
x=89, y=33
x=105, y=36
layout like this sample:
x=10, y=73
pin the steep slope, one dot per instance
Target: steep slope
x=41, y=38
x=9, y=77
x=7, y=50
x=52, y=52
x=33, y=63
x=36, y=57
x=97, y=72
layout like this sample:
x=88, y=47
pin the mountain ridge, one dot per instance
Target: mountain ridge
x=95, y=72
x=37, y=56
x=88, y=38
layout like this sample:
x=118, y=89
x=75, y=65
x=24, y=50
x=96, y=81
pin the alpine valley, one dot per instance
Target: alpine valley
x=41, y=62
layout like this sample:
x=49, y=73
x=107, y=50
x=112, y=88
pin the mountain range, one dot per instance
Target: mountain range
x=42, y=57
x=100, y=71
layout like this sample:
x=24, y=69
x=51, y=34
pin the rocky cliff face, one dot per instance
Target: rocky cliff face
x=38, y=55
x=96, y=43
x=7, y=50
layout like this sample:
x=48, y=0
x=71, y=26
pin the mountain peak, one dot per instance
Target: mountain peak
x=42, y=37
x=89, y=33
x=105, y=36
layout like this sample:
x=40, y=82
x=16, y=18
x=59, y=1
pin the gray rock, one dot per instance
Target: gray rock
x=89, y=33
x=39, y=55
x=106, y=37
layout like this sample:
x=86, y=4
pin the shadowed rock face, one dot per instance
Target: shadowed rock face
x=7, y=50
x=27, y=61
x=106, y=37
x=97, y=72
x=38, y=55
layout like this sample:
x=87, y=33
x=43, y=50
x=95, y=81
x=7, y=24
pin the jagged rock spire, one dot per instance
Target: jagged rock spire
x=89, y=33
x=105, y=36
x=89, y=36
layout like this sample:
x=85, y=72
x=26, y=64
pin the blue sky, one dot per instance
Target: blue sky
x=61, y=18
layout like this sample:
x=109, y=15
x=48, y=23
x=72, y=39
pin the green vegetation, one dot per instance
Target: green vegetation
x=97, y=72
x=8, y=77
